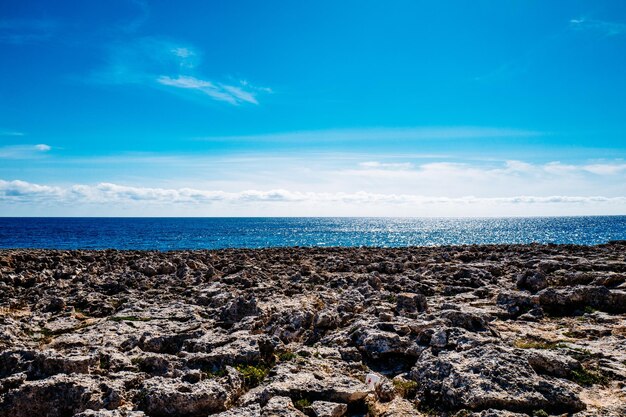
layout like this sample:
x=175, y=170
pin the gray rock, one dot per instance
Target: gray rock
x=489, y=377
x=110, y=413
x=59, y=396
x=239, y=308
x=328, y=409
x=163, y=397
x=532, y=281
x=281, y=407
x=410, y=302
x=551, y=363
x=561, y=301
x=252, y=410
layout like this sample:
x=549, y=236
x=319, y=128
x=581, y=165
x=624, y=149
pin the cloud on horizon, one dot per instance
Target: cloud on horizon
x=17, y=191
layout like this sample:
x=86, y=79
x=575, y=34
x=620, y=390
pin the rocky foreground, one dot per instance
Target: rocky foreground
x=455, y=331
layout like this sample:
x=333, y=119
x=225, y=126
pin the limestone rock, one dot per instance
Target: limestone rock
x=489, y=377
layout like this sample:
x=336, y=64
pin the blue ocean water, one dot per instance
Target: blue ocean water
x=214, y=233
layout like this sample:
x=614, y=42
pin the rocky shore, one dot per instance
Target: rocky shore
x=502, y=330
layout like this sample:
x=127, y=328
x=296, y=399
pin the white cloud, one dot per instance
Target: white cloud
x=23, y=151
x=386, y=165
x=605, y=169
x=296, y=202
x=220, y=92
x=10, y=133
x=603, y=27
x=158, y=63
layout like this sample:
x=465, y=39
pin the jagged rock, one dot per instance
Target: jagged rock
x=410, y=302
x=385, y=391
x=328, y=409
x=515, y=303
x=281, y=407
x=468, y=321
x=291, y=380
x=100, y=333
x=439, y=339
x=532, y=281
x=238, y=309
x=59, y=396
x=489, y=377
x=398, y=407
x=242, y=348
x=378, y=343
x=497, y=413
x=550, y=363
x=252, y=410
x=164, y=397
x=566, y=300
x=110, y=413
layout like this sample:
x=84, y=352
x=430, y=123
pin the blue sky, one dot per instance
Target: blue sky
x=399, y=108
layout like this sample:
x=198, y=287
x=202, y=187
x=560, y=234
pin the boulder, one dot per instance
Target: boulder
x=281, y=407
x=410, y=302
x=165, y=397
x=59, y=396
x=489, y=377
x=328, y=409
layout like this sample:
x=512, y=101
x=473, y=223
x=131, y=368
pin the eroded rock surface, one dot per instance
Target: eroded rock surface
x=503, y=330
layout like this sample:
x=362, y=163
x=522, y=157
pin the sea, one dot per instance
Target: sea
x=166, y=234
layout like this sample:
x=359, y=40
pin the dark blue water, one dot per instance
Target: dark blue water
x=213, y=233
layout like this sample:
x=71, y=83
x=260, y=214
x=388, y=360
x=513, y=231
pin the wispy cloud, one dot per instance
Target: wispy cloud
x=599, y=26
x=220, y=92
x=24, y=151
x=384, y=133
x=173, y=66
x=386, y=165
x=10, y=133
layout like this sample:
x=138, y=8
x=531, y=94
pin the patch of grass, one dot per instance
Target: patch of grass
x=589, y=310
x=253, y=375
x=580, y=354
x=540, y=413
x=214, y=373
x=405, y=388
x=588, y=377
x=391, y=298
x=536, y=344
x=302, y=403
x=128, y=318
x=286, y=356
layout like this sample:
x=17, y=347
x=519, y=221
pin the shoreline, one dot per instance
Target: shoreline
x=468, y=330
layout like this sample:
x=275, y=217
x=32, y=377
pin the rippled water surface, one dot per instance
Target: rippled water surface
x=213, y=233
